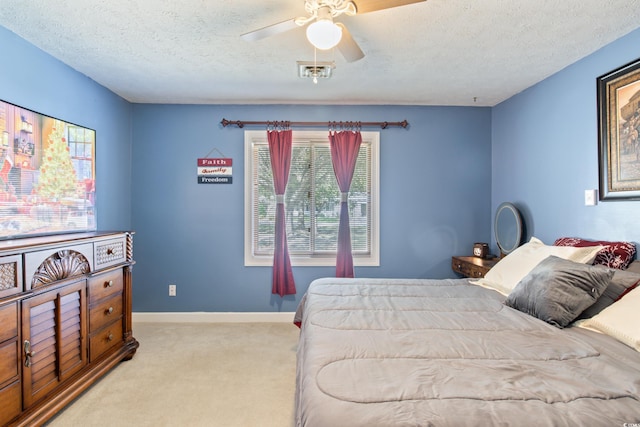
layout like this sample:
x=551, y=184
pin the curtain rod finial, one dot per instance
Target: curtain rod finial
x=225, y=123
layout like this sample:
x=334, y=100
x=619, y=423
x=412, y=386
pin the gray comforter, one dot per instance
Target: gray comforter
x=410, y=352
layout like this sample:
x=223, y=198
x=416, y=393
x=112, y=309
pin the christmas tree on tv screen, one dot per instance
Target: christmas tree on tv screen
x=57, y=176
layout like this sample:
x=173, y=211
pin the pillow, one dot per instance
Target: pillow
x=622, y=282
x=620, y=320
x=634, y=267
x=506, y=274
x=613, y=255
x=558, y=290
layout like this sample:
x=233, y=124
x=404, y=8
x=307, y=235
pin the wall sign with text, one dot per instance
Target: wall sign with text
x=215, y=171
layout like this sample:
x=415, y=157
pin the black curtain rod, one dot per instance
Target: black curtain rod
x=383, y=125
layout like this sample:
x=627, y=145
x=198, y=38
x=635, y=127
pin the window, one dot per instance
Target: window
x=80, y=142
x=312, y=201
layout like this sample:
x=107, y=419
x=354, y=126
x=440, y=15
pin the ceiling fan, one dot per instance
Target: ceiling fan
x=323, y=33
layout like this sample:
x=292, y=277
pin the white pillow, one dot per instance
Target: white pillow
x=505, y=275
x=620, y=320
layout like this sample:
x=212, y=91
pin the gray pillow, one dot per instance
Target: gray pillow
x=621, y=282
x=634, y=267
x=558, y=290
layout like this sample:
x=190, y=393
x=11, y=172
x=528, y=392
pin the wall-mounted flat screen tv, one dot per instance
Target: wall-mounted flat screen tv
x=47, y=174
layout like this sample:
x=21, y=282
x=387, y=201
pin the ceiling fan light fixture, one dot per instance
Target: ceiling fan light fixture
x=324, y=34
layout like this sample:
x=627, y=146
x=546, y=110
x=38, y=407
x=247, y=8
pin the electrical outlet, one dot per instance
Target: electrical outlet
x=172, y=290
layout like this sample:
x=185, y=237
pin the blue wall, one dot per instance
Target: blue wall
x=435, y=201
x=33, y=79
x=545, y=152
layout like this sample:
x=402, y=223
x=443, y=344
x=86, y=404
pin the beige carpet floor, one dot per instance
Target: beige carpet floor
x=196, y=374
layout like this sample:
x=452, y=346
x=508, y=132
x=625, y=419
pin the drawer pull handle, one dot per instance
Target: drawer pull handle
x=108, y=284
x=108, y=311
x=28, y=354
x=109, y=251
x=110, y=337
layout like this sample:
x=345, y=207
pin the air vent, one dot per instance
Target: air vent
x=315, y=70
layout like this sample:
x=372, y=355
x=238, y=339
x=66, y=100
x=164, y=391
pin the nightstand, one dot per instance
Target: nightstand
x=471, y=266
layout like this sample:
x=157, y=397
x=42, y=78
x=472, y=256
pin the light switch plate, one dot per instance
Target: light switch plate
x=590, y=197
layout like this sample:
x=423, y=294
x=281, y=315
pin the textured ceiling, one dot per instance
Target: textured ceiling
x=438, y=52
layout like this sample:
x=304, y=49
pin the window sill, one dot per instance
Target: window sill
x=330, y=261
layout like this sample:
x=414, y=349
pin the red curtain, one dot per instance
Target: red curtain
x=280, y=152
x=345, y=146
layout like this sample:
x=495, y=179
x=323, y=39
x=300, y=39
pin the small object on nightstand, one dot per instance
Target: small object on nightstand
x=481, y=250
x=472, y=266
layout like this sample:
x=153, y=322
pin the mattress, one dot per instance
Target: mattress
x=412, y=352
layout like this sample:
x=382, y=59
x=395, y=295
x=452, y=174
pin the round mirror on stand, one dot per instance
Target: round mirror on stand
x=507, y=228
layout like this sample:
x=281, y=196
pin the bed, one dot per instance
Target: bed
x=454, y=352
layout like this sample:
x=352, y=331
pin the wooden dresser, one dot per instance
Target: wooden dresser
x=65, y=319
x=471, y=266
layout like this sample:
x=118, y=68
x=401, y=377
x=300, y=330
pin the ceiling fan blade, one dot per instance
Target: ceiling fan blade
x=270, y=30
x=364, y=6
x=348, y=46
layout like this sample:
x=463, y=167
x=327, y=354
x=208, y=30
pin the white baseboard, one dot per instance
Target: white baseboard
x=211, y=317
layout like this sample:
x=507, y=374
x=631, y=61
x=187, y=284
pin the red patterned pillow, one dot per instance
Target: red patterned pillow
x=615, y=254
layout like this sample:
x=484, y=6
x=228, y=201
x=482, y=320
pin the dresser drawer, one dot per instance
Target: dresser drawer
x=110, y=252
x=104, y=339
x=8, y=321
x=9, y=364
x=467, y=269
x=10, y=402
x=105, y=312
x=10, y=275
x=104, y=285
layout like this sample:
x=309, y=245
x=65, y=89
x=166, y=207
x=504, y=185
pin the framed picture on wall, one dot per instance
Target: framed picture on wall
x=619, y=133
x=47, y=174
